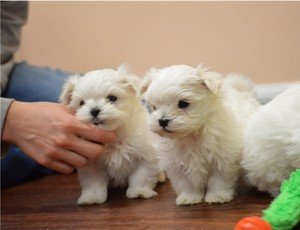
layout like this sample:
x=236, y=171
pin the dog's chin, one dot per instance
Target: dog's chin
x=164, y=132
x=105, y=124
x=109, y=126
x=171, y=133
x=97, y=123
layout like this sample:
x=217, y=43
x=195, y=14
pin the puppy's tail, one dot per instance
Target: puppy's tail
x=239, y=83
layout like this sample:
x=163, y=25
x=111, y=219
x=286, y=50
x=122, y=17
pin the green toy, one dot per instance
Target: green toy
x=284, y=211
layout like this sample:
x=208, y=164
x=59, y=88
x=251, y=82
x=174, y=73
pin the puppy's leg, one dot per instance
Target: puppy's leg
x=93, y=185
x=221, y=185
x=162, y=177
x=188, y=192
x=142, y=181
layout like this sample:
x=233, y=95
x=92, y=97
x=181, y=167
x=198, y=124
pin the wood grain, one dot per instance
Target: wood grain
x=50, y=203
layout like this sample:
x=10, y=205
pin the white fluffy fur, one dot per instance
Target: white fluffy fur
x=132, y=159
x=203, y=143
x=272, y=142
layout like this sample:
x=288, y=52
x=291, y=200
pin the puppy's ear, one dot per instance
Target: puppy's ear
x=128, y=80
x=68, y=88
x=147, y=81
x=200, y=70
x=208, y=79
x=131, y=82
x=211, y=85
x=123, y=69
x=144, y=85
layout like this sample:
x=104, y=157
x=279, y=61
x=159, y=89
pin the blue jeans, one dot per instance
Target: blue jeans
x=29, y=84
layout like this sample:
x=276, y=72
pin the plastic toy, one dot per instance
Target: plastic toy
x=284, y=211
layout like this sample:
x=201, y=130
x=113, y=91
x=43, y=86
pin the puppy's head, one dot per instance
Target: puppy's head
x=102, y=97
x=179, y=98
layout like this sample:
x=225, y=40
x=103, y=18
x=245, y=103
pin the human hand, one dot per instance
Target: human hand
x=53, y=136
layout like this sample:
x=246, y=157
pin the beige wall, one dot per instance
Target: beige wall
x=259, y=39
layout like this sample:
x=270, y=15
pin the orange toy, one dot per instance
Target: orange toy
x=253, y=223
x=284, y=211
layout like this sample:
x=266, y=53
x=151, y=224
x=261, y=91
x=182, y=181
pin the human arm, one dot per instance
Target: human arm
x=13, y=16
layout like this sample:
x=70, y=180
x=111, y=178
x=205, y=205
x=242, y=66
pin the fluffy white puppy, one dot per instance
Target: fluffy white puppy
x=107, y=98
x=194, y=112
x=272, y=142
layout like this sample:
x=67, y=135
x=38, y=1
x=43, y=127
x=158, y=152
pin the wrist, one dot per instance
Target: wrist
x=9, y=125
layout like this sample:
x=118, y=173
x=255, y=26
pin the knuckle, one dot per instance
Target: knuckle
x=62, y=141
x=96, y=154
x=106, y=136
x=66, y=124
x=44, y=161
x=82, y=163
x=98, y=134
x=50, y=152
x=93, y=156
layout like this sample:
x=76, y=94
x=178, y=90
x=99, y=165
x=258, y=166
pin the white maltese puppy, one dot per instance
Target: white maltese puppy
x=200, y=117
x=272, y=142
x=107, y=98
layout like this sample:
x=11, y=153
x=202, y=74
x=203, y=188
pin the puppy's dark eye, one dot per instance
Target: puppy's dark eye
x=183, y=104
x=82, y=103
x=112, y=98
x=148, y=106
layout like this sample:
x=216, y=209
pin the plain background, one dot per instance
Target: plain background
x=259, y=39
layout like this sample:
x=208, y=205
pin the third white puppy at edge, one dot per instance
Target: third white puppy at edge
x=200, y=117
x=272, y=142
x=107, y=98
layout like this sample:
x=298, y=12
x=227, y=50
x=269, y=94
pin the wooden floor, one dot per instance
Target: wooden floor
x=51, y=203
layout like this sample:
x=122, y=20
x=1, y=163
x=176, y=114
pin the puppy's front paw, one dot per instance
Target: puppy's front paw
x=189, y=199
x=162, y=177
x=140, y=192
x=92, y=196
x=219, y=196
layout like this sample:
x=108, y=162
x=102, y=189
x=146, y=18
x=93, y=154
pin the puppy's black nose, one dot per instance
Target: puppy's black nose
x=163, y=122
x=95, y=112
